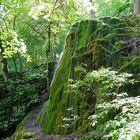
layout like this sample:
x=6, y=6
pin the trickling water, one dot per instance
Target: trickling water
x=57, y=62
x=56, y=65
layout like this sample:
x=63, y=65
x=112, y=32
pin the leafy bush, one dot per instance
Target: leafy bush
x=21, y=98
x=116, y=114
x=39, y=72
x=113, y=8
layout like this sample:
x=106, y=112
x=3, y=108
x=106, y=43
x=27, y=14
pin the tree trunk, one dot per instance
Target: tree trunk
x=136, y=7
x=47, y=55
x=15, y=65
x=4, y=62
x=20, y=64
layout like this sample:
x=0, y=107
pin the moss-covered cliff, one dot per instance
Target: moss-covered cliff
x=90, y=45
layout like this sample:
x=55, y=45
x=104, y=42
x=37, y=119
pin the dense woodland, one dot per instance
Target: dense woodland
x=70, y=69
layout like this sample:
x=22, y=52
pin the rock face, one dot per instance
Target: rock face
x=90, y=45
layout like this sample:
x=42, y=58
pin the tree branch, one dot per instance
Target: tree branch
x=43, y=37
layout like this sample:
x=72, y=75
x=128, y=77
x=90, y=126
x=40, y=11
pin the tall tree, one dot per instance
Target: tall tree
x=136, y=7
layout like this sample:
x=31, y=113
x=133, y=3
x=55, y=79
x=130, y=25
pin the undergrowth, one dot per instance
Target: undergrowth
x=116, y=115
x=18, y=96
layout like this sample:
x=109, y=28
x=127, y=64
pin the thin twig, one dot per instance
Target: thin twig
x=43, y=37
x=119, y=50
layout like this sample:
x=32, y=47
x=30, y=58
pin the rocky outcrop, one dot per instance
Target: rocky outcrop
x=90, y=45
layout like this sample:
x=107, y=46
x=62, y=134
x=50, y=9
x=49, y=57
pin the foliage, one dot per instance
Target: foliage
x=63, y=11
x=19, y=99
x=30, y=21
x=12, y=45
x=110, y=81
x=117, y=117
x=96, y=87
x=112, y=8
x=36, y=73
x=18, y=96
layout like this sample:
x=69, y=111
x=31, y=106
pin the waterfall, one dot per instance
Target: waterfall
x=56, y=65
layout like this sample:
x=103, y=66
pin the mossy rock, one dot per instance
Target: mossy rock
x=95, y=44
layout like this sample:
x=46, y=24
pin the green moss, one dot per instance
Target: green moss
x=92, y=44
x=133, y=67
x=24, y=135
x=136, y=138
x=22, y=123
x=56, y=90
x=42, y=113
